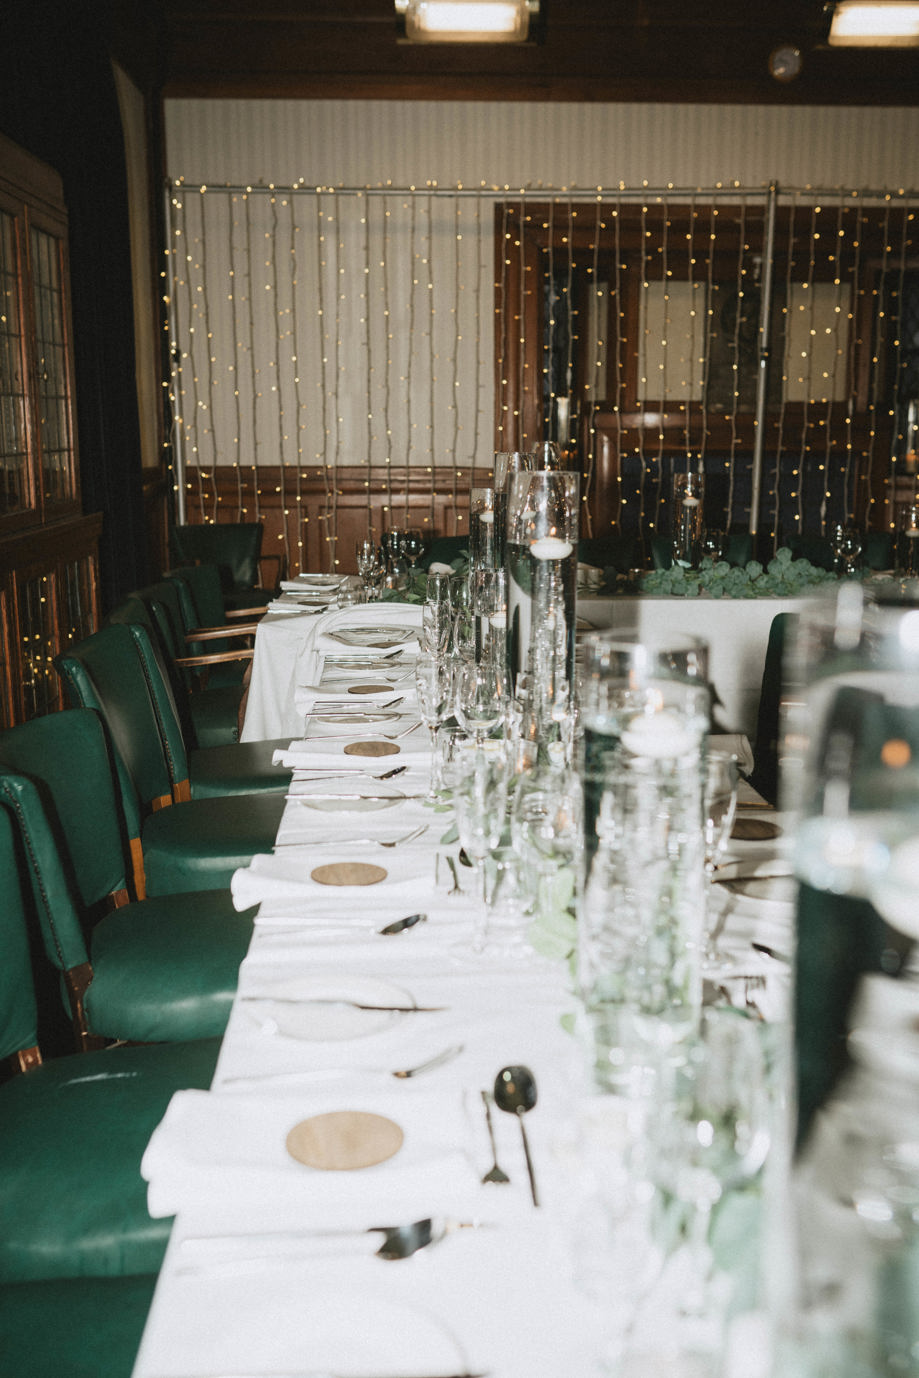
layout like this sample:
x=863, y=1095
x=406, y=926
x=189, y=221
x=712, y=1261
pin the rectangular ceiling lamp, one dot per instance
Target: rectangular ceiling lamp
x=465, y=21
x=875, y=24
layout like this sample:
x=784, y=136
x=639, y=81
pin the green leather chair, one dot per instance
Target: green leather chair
x=143, y=971
x=223, y=640
x=95, y=1332
x=236, y=549
x=209, y=712
x=202, y=772
x=72, y=1200
x=193, y=844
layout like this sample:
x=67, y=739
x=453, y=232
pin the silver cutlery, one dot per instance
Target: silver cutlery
x=399, y=1241
x=359, y=841
x=323, y=1373
x=346, y=770
x=335, y=1000
x=456, y=888
x=390, y=798
x=494, y=1173
x=771, y=952
x=515, y=1093
x=400, y=1073
x=401, y=925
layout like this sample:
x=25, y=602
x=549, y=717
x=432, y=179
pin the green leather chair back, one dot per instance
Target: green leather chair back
x=234, y=547
x=199, y=595
x=72, y=813
x=104, y=672
x=18, y=1008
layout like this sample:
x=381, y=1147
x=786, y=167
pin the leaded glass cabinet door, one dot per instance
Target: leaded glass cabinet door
x=15, y=483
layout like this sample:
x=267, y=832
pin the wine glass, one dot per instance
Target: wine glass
x=413, y=547
x=433, y=684
x=479, y=697
x=847, y=544
x=711, y=1130
x=546, y=831
x=371, y=566
x=480, y=804
x=437, y=614
x=719, y=804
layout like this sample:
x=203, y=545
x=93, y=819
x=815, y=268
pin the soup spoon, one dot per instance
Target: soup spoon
x=515, y=1092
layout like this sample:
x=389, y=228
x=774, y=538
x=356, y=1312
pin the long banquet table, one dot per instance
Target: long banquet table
x=261, y=1275
x=736, y=629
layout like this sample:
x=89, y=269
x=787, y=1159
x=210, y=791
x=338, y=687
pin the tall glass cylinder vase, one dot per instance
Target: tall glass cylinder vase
x=507, y=464
x=645, y=710
x=686, y=519
x=850, y=796
x=542, y=539
x=484, y=521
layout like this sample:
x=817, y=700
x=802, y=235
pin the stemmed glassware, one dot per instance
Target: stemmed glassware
x=480, y=801
x=480, y=697
x=711, y=1130
x=847, y=544
x=433, y=685
x=437, y=614
x=546, y=833
x=719, y=804
x=412, y=547
x=371, y=566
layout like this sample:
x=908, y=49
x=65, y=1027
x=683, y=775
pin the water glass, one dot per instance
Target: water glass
x=451, y=746
x=433, y=690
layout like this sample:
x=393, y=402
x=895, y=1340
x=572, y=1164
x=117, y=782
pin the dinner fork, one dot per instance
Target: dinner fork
x=362, y=841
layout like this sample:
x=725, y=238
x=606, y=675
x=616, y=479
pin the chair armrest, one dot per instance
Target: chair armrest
x=220, y=633
x=215, y=658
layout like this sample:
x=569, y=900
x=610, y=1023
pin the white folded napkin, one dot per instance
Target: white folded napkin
x=373, y=615
x=214, y=1152
x=329, y=752
x=288, y=875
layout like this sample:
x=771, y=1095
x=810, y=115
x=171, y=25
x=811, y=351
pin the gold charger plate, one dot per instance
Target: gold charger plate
x=754, y=830
x=369, y=688
x=372, y=749
x=344, y=1140
x=348, y=873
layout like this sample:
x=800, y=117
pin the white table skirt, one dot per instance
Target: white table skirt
x=736, y=629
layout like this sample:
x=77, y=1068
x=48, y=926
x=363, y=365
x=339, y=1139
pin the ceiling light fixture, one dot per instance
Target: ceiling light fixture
x=875, y=24
x=465, y=21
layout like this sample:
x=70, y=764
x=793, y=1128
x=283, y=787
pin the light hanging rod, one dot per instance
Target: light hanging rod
x=587, y=196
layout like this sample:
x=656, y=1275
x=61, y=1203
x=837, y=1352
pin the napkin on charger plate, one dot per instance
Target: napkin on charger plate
x=216, y=1152
x=289, y=875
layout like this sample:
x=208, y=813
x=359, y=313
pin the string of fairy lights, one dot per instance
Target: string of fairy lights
x=386, y=335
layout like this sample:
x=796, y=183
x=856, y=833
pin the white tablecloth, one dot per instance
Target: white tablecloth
x=736, y=629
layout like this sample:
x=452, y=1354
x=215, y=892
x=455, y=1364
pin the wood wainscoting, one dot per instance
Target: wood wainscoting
x=314, y=518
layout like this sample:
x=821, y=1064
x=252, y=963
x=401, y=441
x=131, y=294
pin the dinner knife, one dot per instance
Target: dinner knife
x=323, y=1373
x=353, y=1004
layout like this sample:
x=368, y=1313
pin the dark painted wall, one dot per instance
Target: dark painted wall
x=58, y=101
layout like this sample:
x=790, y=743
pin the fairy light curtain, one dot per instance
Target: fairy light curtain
x=411, y=332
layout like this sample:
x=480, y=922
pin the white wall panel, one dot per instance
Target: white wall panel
x=578, y=145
